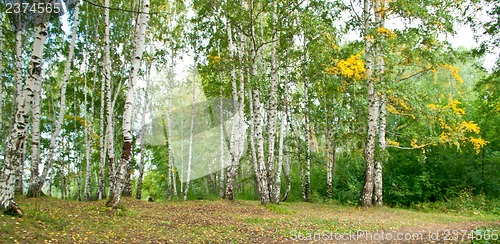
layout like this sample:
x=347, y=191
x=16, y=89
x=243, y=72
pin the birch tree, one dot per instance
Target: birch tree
x=129, y=105
x=367, y=193
x=237, y=126
x=110, y=148
x=17, y=135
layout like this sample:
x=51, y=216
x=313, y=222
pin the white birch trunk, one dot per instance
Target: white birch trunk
x=35, y=139
x=238, y=127
x=231, y=172
x=258, y=123
x=129, y=106
x=87, y=193
x=329, y=161
x=253, y=152
x=378, y=184
x=378, y=187
x=367, y=193
x=172, y=182
x=1, y=72
x=262, y=171
x=190, y=150
x=109, y=107
x=17, y=135
x=277, y=184
x=101, y=185
x=272, y=112
x=307, y=179
x=222, y=163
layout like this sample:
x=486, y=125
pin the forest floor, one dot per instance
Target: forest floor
x=48, y=220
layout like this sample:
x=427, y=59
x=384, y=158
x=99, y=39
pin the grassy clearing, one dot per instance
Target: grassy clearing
x=65, y=221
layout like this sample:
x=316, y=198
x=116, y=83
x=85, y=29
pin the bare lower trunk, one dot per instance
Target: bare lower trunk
x=35, y=180
x=262, y=170
x=127, y=184
x=277, y=184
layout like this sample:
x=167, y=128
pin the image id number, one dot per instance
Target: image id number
x=34, y=8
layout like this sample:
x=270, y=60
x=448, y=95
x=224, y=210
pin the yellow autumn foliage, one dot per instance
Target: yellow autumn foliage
x=478, y=143
x=454, y=72
x=470, y=126
x=392, y=143
x=453, y=104
x=433, y=106
x=386, y=32
x=353, y=67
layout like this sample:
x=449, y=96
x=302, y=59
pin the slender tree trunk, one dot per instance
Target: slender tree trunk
x=367, y=193
x=109, y=107
x=87, y=194
x=277, y=184
x=283, y=129
x=1, y=73
x=172, y=181
x=307, y=179
x=382, y=153
x=329, y=159
x=101, y=185
x=190, y=150
x=231, y=173
x=129, y=105
x=79, y=182
x=222, y=163
x=138, y=193
x=378, y=186
x=272, y=112
x=253, y=153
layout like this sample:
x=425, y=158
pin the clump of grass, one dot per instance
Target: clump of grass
x=279, y=209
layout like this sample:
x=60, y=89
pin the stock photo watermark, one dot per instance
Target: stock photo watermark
x=447, y=235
